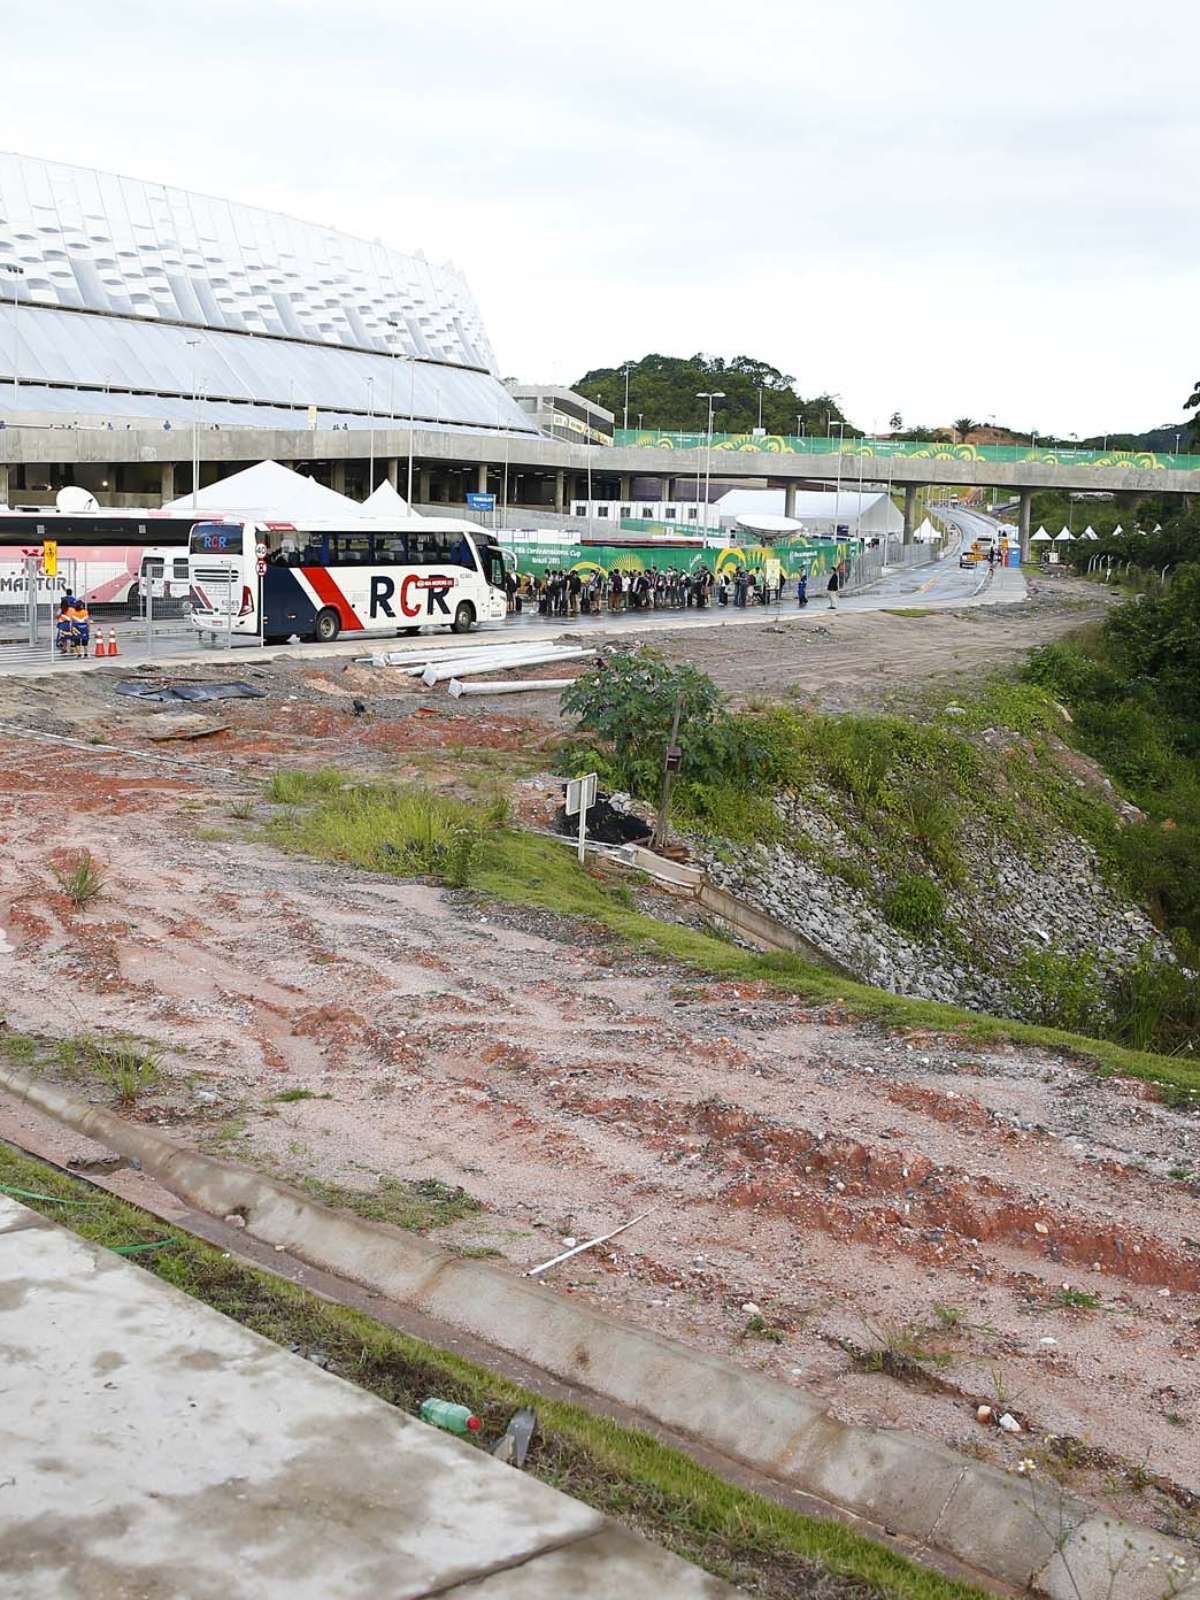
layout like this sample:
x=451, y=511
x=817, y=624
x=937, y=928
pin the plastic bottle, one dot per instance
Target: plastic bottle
x=444, y=1414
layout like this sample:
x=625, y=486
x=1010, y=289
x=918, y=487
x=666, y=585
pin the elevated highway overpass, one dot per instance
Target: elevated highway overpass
x=132, y=464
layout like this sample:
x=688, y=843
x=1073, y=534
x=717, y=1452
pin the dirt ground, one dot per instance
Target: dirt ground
x=906, y=1225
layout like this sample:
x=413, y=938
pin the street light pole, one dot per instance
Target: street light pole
x=625, y=412
x=837, y=493
x=710, y=396
x=370, y=436
x=193, y=345
x=17, y=272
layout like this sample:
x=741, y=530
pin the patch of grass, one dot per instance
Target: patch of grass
x=1076, y=1300
x=418, y=1206
x=402, y=828
x=293, y=786
x=757, y=1327
x=916, y=905
x=289, y=1096
x=83, y=881
x=904, y=611
x=772, y=1551
x=243, y=810
x=125, y=1067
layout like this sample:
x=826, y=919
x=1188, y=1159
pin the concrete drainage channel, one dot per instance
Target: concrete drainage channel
x=1024, y=1536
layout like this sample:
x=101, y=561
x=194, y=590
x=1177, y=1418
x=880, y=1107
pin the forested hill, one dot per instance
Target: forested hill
x=663, y=391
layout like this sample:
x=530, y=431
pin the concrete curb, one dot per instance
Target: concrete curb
x=1008, y=1527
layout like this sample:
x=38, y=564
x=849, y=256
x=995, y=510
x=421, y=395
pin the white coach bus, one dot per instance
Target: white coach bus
x=323, y=579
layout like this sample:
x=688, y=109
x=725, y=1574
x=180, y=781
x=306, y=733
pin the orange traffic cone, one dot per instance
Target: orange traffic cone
x=99, y=650
x=112, y=642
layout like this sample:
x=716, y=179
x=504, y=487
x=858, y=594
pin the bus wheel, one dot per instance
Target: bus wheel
x=327, y=626
x=464, y=617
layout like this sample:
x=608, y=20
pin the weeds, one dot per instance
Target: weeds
x=122, y=1065
x=290, y=1096
x=243, y=810
x=83, y=882
x=915, y=905
x=1070, y=1299
x=290, y=788
x=418, y=1206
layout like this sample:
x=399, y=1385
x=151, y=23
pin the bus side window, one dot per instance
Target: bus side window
x=350, y=549
x=391, y=550
x=460, y=553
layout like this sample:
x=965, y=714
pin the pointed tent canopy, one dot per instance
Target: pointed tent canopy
x=1158, y=527
x=268, y=492
x=925, y=532
x=1041, y=537
x=1065, y=537
x=384, y=501
x=1090, y=533
x=1118, y=531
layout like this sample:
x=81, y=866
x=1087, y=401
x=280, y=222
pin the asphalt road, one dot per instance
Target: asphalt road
x=934, y=586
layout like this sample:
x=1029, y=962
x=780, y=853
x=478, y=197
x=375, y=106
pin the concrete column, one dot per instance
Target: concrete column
x=560, y=490
x=789, y=499
x=1025, y=521
x=626, y=486
x=339, y=476
x=666, y=490
x=3, y=483
x=167, y=483
x=910, y=510
x=423, y=485
x=392, y=468
x=482, y=478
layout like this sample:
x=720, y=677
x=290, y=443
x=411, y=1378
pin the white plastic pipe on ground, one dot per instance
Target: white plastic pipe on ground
x=495, y=655
x=526, y=687
x=473, y=668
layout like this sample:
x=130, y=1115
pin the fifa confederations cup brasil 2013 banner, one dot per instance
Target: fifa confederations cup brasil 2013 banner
x=534, y=557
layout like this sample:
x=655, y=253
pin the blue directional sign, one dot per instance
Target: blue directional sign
x=481, y=502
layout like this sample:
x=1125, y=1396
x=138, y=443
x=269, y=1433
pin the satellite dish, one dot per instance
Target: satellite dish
x=76, y=501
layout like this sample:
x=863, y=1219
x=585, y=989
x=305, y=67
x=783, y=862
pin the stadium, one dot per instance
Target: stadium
x=122, y=300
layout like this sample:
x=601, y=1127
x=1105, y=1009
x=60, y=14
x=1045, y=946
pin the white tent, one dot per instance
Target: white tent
x=764, y=522
x=1065, y=537
x=1118, y=531
x=385, y=501
x=1041, y=537
x=1158, y=527
x=1090, y=533
x=925, y=532
x=268, y=492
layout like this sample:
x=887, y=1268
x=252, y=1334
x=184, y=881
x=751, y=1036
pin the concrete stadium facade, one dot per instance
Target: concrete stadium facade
x=124, y=301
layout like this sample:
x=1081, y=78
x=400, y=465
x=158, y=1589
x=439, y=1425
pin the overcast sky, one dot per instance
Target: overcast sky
x=925, y=207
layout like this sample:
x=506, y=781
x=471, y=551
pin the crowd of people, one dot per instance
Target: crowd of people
x=571, y=593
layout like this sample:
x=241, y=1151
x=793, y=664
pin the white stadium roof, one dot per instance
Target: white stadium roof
x=130, y=297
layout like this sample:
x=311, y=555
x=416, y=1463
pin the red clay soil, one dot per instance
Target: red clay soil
x=864, y=1191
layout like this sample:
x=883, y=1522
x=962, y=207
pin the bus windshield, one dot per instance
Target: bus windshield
x=216, y=539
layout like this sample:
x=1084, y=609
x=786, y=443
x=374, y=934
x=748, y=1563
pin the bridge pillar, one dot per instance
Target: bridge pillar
x=3, y=483
x=910, y=510
x=789, y=499
x=423, y=485
x=626, y=486
x=481, y=480
x=1024, y=522
x=666, y=490
x=166, y=482
x=338, y=476
x=392, y=467
x=560, y=490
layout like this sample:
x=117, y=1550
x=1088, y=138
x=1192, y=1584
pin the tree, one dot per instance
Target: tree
x=963, y=426
x=1191, y=404
x=665, y=391
x=895, y=422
